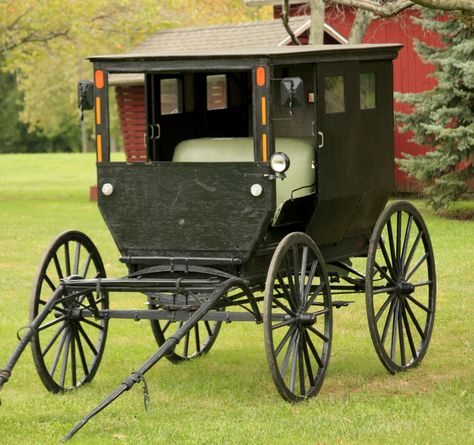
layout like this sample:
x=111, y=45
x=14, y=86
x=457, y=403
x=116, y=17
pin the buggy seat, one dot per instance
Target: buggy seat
x=299, y=150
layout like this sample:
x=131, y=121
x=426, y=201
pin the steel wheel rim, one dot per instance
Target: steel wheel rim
x=67, y=348
x=401, y=310
x=298, y=347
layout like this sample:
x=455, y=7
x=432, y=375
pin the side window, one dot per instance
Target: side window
x=334, y=94
x=367, y=91
x=170, y=96
x=216, y=92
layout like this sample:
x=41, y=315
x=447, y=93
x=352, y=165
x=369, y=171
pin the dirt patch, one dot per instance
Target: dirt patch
x=459, y=214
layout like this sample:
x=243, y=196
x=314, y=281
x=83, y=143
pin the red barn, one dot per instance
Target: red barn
x=410, y=74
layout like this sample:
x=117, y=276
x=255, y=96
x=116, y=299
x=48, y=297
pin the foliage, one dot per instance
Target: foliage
x=443, y=118
x=228, y=396
x=45, y=43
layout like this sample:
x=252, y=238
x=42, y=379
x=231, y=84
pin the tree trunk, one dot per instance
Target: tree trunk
x=362, y=21
x=316, y=33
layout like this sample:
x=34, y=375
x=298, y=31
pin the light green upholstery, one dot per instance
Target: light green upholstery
x=300, y=152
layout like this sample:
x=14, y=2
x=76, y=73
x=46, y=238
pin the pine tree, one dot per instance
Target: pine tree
x=443, y=118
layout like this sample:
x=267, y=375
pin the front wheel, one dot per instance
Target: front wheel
x=400, y=287
x=67, y=348
x=297, y=318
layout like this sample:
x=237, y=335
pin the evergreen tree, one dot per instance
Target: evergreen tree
x=443, y=118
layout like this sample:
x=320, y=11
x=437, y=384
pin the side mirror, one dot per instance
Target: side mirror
x=85, y=95
x=292, y=92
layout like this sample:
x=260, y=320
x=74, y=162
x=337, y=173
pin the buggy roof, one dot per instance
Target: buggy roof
x=251, y=56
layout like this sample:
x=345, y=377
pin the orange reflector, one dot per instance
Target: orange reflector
x=99, y=79
x=264, y=110
x=261, y=76
x=264, y=147
x=97, y=110
x=99, y=148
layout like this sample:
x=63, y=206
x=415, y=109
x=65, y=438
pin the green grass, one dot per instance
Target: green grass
x=228, y=396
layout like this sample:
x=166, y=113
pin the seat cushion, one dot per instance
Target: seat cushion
x=299, y=151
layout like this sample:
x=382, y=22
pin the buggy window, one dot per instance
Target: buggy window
x=216, y=92
x=334, y=94
x=170, y=96
x=367, y=91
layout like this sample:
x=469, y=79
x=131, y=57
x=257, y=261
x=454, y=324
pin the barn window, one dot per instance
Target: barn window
x=216, y=92
x=367, y=91
x=334, y=94
x=170, y=96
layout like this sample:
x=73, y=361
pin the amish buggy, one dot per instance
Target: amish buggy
x=263, y=196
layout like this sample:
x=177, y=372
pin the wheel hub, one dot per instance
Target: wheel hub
x=307, y=319
x=405, y=288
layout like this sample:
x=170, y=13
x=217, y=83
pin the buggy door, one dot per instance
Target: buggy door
x=355, y=134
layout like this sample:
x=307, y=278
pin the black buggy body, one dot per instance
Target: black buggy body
x=267, y=174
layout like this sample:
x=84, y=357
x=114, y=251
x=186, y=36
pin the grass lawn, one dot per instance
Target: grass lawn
x=228, y=396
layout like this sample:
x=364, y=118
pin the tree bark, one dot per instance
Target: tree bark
x=286, y=22
x=316, y=33
x=362, y=21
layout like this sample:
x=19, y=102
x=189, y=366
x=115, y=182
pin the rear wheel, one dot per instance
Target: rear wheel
x=400, y=287
x=68, y=348
x=297, y=318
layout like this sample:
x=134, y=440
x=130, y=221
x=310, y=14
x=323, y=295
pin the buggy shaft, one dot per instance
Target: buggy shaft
x=6, y=372
x=167, y=346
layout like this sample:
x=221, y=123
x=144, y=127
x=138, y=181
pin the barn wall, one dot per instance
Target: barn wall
x=131, y=107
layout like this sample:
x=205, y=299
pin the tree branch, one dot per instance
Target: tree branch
x=285, y=19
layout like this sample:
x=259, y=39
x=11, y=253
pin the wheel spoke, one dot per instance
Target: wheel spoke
x=296, y=269
x=87, y=339
x=391, y=243
x=316, y=292
x=311, y=275
x=405, y=242
x=304, y=264
x=58, y=266
x=208, y=328
x=319, y=334
x=421, y=306
x=285, y=338
x=73, y=358
x=415, y=321
x=301, y=366
x=307, y=359
x=384, y=306
x=286, y=359
x=77, y=255
x=294, y=362
x=282, y=306
x=52, y=323
x=283, y=323
x=387, y=260
x=393, y=345
x=286, y=291
x=198, y=344
x=81, y=353
x=53, y=340
x=400, y=333
x=397, y=266
x=58, y=353
x=417, y=265
x=67, y=258
x=291, y=283
x=408, y=331
x=412, y=252
x=384, y=290
x=86, y=266
x=387, y=321
x=166, y=326
x=383, y=273
x=314, y=351
x=49, y=282
x=62, y=377
x=186, y=345
x=91, y=323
